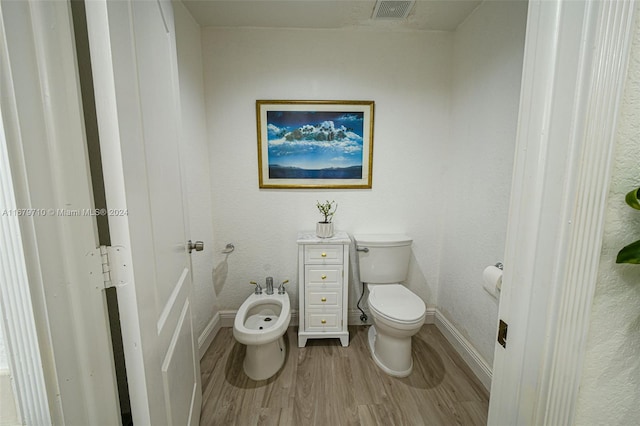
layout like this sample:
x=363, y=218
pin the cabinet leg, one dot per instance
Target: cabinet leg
x=302, y=341
x=344, y=340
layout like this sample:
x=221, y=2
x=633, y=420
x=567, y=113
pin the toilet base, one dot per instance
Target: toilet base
x=392, y=355
x=263, y=361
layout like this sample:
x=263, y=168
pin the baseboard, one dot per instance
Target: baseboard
x=208, y=334
x=353, y=317
x=430, y=316
x=227, y=317
x=465, y=349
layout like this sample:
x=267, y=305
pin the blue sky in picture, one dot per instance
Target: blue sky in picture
x=315, y=139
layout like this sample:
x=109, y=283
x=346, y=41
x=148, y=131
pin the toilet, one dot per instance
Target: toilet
x=397, y=313
x=260, y=324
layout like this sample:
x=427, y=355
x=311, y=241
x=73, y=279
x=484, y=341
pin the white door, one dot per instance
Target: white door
x=133, y=56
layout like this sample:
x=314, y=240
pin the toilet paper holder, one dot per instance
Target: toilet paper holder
x=492, y=279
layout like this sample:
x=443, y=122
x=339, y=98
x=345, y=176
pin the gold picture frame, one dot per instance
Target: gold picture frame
x=315, y=144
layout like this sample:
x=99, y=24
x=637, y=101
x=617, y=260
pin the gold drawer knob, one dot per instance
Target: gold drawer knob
x=324, y=255
x=324, y=299
x=324, y=277
x=323, y=321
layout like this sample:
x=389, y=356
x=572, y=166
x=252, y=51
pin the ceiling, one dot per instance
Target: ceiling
x=427, y=15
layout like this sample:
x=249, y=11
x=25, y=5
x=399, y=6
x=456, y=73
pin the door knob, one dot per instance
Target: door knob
x=197, y=246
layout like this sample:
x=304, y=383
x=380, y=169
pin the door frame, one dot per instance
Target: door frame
x=18, y=321
x=571, y=90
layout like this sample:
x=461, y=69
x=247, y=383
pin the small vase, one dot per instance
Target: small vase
x=324, y=230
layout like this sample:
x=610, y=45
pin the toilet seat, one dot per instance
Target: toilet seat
x=397, y=304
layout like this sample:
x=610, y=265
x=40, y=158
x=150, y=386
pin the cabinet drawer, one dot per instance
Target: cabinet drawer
x=328, y=320
x=323, y=299
x=323, y=254
x=323, y=276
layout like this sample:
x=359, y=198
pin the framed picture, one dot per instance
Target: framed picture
x=315, y=144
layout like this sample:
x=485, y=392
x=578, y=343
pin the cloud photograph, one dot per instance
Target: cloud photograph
x=315, y=144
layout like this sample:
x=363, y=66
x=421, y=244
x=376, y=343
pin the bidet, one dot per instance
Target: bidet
x=260, y=324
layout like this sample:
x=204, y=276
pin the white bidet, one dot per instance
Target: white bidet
x=260, y=324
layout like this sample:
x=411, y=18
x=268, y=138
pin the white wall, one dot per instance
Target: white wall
x=487, y=68
x=611, y=378
x=407, y=74
x=196, y=159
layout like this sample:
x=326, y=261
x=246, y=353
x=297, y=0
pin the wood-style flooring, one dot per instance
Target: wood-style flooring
x=327, y=384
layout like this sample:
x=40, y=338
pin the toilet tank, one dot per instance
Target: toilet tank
x=387, y=258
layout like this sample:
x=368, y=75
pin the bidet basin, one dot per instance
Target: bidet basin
x=260, y=324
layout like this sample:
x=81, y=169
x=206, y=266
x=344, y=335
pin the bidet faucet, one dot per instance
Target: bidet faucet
x=281, y=287
x=269, y=285
x=258, y=288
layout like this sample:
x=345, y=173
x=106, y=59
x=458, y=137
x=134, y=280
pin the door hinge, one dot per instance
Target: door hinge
x=107, y=267
x=502, y=333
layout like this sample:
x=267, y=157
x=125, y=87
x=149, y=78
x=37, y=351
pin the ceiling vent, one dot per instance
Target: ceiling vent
x=392, y=9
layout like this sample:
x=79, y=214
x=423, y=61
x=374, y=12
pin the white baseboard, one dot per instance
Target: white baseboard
x=430, y=316
x=462, y=346
x=227, y=317
x=208, y=334
x=465, y=349
x=353, y=317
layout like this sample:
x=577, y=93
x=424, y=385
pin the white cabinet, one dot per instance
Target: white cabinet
x=323, y=278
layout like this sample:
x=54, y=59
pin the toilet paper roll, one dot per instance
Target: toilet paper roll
x=492, y=278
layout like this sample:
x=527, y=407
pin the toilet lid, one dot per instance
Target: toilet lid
x=396, y=302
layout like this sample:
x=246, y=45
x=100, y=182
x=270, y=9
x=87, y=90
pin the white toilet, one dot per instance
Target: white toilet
x=260, y=324
x=396, y=311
